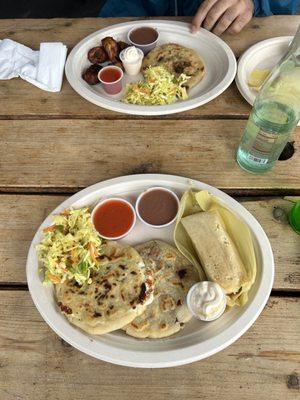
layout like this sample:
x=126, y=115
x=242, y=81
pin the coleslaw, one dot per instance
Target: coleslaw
x=70, y=247
x=159, y=87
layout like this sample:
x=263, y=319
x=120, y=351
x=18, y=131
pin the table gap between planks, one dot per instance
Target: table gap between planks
x=54, y=144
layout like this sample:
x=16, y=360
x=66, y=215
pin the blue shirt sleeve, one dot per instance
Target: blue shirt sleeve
x=264, y=8
x=137, y=8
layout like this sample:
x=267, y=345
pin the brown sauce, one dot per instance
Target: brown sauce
x=158, y=207
x=143, y=35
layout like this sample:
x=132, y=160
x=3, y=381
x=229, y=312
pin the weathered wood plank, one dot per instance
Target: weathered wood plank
x=64, y=155
x=21, y=215
x=22, y=100
x=36, y=364
x=284, y=241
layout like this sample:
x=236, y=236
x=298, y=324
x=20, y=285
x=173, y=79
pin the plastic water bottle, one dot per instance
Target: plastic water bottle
x=274, y=116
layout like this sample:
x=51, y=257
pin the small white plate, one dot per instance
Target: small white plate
x=263, y=55
x=198, y=339
x=219, y=61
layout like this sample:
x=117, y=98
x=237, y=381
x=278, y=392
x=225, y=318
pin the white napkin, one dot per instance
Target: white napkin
x=43, y=68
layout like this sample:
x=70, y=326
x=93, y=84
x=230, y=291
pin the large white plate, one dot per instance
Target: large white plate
x=197, y=340
x=219, y=60
x=262, y=55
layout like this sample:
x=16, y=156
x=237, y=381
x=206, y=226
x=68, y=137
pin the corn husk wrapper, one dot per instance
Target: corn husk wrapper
x=193, y=202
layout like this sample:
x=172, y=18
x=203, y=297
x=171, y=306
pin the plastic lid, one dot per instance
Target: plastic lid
x=294, y=217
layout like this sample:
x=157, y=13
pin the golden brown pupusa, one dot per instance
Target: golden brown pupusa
x=173, y=275
x=119, y=292
x=177, y=60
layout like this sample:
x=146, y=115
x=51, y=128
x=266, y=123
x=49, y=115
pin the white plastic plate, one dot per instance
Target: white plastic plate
x=219, y=60
x=263, y=55
x=198, y=339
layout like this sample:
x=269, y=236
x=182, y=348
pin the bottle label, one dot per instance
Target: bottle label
x=263, y=147
x=257, y=160
x=266, y=134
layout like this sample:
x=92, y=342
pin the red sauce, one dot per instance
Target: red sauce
x=110, y=75
x=113, y=218
x=158, y=207
x=143, y=35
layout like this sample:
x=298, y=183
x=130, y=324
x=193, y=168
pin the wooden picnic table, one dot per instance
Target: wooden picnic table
x=54, y=144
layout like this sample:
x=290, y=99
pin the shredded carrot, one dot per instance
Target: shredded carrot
x=49, y=228
x=53, y=278
x=65, y=213
x=144, y=91
x=93, y=251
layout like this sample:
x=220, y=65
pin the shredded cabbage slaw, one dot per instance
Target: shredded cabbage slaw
x=70, y=247
x=159, y=87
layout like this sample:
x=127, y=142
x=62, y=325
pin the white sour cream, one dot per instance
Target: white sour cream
x=131, y=58
x=206, y=300
x=131, y=54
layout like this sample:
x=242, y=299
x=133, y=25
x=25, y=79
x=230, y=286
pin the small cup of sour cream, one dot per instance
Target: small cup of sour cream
x=206, y=301
x=132, y=58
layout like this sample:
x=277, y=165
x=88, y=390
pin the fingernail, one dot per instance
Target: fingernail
x=194, y=29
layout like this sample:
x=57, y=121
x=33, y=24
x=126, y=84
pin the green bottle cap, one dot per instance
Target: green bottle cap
x=294, y=217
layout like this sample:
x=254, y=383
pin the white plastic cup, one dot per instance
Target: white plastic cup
x=194, y=313
x=144, y=47
x=147, y=191
x=116, y=199
x=132, y=67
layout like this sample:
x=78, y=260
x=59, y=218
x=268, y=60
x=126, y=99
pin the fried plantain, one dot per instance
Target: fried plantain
x=97, y=55
x=90, y=75
x=111, y=47
x=119, y=64
x=122, y=45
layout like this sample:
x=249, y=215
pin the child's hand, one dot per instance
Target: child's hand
x=219, y=16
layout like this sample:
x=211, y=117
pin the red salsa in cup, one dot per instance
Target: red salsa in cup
x=113, y=218
x=111, y=79
x=110, y=75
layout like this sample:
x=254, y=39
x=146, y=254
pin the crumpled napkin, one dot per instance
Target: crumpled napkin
x=43, y=68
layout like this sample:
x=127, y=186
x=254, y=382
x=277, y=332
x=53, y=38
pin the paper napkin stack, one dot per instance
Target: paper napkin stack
x=43, y=68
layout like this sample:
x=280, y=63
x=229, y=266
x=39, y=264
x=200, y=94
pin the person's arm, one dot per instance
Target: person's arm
x=219, y=16
x=265, y=8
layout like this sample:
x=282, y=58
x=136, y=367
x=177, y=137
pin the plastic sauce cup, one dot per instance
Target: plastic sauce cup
x=197, y=315
x=132, y=67
x=112, y=201
x=144, y=47
x=111, y=78
x=152, y=189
